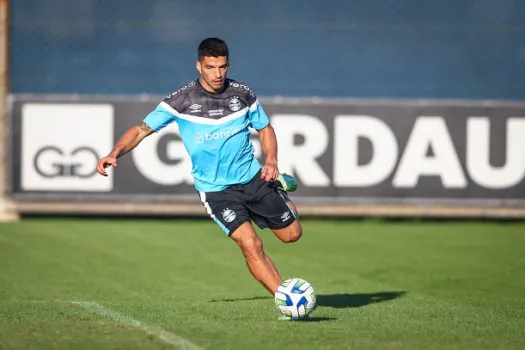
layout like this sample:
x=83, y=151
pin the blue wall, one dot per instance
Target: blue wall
x=354, y=48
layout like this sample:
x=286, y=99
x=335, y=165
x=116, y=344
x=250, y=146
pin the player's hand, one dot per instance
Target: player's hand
x=269, y=172
x=105, y=162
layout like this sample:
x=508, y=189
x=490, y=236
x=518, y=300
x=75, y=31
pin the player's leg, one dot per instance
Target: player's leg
x=227, y=209
x=273, y=209
x=289, y=234
x=259, y=264
x=294, y=231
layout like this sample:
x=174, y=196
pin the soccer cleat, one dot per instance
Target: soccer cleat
x=286, y=182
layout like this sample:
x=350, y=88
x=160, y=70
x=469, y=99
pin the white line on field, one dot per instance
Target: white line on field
x=165, y=336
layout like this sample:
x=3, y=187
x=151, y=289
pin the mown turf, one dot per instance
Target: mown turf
x=380, y=285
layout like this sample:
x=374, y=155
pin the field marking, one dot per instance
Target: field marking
x=165, y=336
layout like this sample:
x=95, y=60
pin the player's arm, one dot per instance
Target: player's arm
x=154, y=121
x=268, y=140
x=128, y=141
x=260, y=122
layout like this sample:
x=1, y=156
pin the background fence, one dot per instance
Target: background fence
x=446, y=68
x=375, y=48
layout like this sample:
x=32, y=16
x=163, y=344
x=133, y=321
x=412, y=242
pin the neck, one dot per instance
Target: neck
x=208, y=88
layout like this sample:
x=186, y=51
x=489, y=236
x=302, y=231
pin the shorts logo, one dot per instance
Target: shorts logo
x=286, y=216
x=228, y=215
x=235, y=104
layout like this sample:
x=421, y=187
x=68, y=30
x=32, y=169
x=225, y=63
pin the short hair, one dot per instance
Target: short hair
x=213, y=47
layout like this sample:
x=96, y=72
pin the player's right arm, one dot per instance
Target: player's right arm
x=155, y=121
x=128, y=141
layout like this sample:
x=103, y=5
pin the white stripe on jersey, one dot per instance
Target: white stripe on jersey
x=168, y=108
x=254, y=106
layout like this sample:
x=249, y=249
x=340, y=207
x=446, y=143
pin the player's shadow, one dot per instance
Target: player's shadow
x=345, y=300
x=339, y=301
x=238, y=299
x=308, y=319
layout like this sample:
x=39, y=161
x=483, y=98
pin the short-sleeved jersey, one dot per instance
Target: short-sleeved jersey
x=214, y=128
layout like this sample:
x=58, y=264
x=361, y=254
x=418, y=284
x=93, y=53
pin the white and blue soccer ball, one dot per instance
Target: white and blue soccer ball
x=295, y=298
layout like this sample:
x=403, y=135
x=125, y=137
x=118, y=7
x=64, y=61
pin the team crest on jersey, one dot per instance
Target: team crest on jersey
x=228, y=215
x=235, y=104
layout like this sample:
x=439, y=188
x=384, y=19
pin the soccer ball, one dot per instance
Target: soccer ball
x=295, y=298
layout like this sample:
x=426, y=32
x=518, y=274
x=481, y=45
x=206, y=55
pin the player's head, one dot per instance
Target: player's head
x=212, y=63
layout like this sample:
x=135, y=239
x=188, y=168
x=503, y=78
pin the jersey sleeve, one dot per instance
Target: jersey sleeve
x=160, y=117
x=258, y=118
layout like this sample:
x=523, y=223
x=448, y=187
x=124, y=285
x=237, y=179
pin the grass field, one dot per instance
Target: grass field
x=180, y=284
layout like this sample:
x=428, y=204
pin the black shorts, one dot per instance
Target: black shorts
x=259, y=201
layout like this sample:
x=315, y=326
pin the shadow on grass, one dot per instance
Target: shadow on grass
x=343, y=301
x=338, y=301
x=313, y=319
x=238, y=299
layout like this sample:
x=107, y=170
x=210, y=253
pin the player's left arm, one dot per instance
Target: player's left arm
x=260, y=122
x=270, y=171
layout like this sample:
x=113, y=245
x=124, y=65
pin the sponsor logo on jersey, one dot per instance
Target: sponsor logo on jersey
x=235, y=104
x=190, y=84
x=195, y=108
x=215, y=112
x=228, y=215
x=242, y=86
x=200, y=138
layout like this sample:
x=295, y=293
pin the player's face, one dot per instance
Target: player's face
x=213, y=72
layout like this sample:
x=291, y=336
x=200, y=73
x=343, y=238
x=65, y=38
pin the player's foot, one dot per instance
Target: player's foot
x=286, y=182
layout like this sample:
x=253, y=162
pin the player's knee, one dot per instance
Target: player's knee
x=294, y=234
x=251, y=246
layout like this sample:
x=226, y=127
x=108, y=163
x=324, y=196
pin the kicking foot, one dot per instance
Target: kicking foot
x=286, y=182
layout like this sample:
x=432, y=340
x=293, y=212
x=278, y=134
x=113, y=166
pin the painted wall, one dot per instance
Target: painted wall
x=374, y=48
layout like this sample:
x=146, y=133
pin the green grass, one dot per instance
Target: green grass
x=380, y=285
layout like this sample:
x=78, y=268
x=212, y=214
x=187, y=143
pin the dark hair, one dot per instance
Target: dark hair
x=213, y=47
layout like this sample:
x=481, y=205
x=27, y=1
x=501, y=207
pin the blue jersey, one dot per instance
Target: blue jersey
x=215, y=129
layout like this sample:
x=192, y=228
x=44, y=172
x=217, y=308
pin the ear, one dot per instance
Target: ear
x=198, y=67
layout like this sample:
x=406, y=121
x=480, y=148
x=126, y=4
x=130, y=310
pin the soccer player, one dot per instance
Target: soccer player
x=214, y=115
